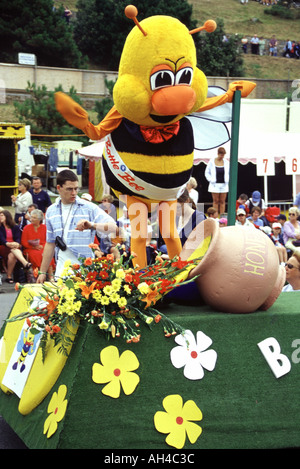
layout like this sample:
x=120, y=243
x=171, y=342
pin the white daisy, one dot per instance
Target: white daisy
x=193, y=354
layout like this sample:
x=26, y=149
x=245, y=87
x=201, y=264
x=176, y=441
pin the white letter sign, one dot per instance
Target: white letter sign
x=292, y=165
x=279, y=363
x=265, y=166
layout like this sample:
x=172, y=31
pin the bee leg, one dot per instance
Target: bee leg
x=167, y=226
x=138, y=216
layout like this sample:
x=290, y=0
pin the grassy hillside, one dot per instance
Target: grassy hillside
x=246, y=19
x=250, y=19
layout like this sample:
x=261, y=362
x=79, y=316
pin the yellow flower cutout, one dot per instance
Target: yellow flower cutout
x=117, y=371
x=178, y=421
x=57, y=409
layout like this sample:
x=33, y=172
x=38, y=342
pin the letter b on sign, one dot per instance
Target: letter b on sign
x=279, y=363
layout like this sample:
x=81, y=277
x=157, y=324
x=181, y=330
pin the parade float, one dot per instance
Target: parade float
x=198, y=351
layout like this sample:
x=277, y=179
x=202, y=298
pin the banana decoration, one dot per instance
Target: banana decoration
x=149, y=140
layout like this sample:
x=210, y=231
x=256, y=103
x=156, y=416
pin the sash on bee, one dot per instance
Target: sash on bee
x=133, y=182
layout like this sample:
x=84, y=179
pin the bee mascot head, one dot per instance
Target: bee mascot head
x=148, y=155
x=158, y=80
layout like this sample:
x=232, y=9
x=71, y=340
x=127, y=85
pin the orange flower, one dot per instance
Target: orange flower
x=17, y=286
x=88, y=261
x=75, y=266
x=51, y=304
x=87, y=290
x=93, y=246
x=152, y=296
x=128, y=278
x=157, y=318
x=110, y=257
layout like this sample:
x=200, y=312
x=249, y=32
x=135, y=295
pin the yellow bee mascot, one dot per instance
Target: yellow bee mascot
x=149, y=143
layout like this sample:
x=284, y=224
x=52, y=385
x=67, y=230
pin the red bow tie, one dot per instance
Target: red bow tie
x=160, y=133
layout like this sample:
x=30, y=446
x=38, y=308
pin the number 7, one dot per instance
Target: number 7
x=265, y=161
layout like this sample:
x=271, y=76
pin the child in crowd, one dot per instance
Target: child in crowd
x=277, y=238
x=241, y=203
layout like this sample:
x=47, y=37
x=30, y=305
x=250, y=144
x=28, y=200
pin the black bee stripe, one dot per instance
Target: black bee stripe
x=128, y=138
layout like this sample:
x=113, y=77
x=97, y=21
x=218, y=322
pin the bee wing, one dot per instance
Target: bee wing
x=210, y=129
x=221, y=113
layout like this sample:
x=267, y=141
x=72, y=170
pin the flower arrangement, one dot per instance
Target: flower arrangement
x=110, y=294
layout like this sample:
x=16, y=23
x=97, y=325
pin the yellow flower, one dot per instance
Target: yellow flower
x=57, y=409
x=122, y=302
x=104, y=300
x=108, y=290
x=116, y=284
x=103, y=325
x=143, y=288
x=127, y=289
x=177, y=421
x=97, y=295
x=69, y=307
x=117, y=371
x=114, y=297
x=120, y=273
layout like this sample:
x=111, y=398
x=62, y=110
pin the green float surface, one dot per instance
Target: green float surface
x=243, y=404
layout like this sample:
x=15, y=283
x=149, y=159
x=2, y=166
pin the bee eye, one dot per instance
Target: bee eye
x=184, y=76
x=161, y=79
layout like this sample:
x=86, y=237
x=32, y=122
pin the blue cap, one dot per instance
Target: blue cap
x=256, y=196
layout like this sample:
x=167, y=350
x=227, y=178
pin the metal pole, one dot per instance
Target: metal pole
x=233, y=173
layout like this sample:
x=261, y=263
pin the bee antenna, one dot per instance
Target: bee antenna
x=131, y=12
x=209, y=26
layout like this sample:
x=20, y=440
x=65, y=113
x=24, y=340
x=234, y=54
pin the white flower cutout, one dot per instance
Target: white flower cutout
x=193, y=354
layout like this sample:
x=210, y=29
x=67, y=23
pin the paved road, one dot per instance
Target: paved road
x=8, y=438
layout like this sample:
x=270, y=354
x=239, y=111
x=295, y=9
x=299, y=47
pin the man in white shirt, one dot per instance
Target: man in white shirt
x=71, y=226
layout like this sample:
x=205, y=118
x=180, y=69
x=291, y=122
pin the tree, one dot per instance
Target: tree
x=218, y=56
x=36, y=27
x=102, y=26
x=40, y=113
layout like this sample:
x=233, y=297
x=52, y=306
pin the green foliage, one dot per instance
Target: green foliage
x=40, y=113
x=35, y=27
x=217, y=57
x=280, y=10
x=102, y=26
x=102, y=107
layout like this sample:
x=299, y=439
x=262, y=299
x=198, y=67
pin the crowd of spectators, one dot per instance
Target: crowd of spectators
x=23, y=237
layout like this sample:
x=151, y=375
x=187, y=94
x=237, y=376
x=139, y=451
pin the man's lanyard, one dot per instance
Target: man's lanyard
x=63, y=226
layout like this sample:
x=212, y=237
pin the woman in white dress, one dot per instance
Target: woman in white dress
x=217, y=174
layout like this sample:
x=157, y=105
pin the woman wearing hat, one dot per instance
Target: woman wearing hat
x=22, y=201
x=292, y=269
x=277, y=238
x=241, y=219
x=217, y=174
x=291, y=232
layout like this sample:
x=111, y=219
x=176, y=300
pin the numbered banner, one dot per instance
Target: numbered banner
x=265, y=166
x=292, y=165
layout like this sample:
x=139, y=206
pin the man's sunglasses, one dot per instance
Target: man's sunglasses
x=290, y=266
